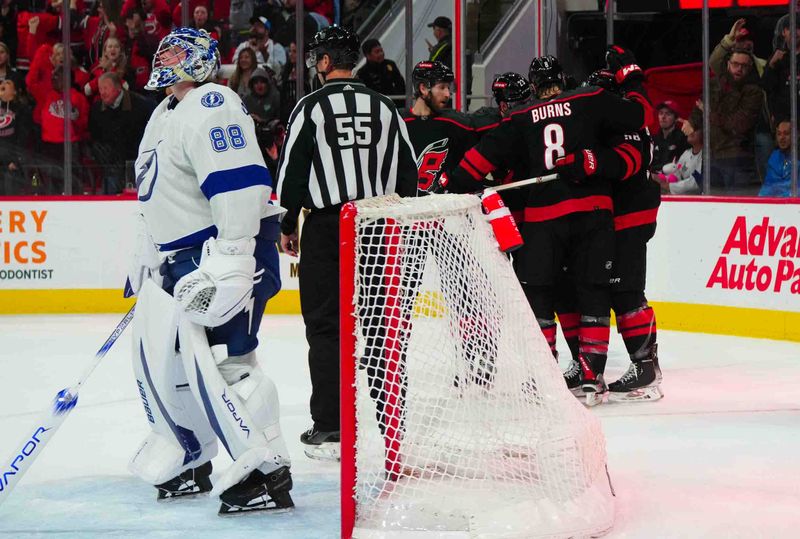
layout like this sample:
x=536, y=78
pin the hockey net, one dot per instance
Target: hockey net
x=456, y=420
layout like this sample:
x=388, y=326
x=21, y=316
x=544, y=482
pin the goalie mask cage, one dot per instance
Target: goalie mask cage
x=456, y=421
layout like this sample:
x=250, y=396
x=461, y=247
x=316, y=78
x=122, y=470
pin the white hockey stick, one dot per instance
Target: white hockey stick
x=523, y=183
x=44, y=429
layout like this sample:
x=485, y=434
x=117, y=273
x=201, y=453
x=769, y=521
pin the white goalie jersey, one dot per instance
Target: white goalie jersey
x=200, y=173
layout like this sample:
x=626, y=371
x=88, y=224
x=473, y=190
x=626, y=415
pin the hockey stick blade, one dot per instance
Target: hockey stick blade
x=529, y=181
x=49, y=422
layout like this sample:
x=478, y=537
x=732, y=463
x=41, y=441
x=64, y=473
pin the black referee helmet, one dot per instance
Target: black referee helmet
x=339, y=43
x=510, y=87
x=430, y=73
x=545, y=71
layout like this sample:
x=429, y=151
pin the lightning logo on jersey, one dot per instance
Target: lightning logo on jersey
x=201, y=153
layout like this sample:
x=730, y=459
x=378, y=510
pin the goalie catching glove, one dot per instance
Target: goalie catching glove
x=222, y=284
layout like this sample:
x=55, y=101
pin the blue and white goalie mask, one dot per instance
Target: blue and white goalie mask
x=185, y=54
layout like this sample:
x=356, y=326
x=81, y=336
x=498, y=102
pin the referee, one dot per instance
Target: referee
x=344, y=142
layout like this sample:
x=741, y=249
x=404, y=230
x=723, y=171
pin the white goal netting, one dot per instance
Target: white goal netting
x=463, y=424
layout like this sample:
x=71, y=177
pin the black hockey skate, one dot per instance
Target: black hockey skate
x=259, y=492
x=321, y=445
x=640, y=383
x=573, y=376
x=189, y=483
x=593, y=385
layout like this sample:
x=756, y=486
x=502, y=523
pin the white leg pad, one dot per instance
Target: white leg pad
x=240, y=402
x=181, y=437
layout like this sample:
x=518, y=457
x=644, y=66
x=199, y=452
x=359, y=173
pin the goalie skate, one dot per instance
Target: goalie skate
x=188, y=484
x=259, y=492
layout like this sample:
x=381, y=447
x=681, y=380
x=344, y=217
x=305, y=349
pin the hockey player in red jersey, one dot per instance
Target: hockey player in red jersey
x=624, y=160
x=566, y=223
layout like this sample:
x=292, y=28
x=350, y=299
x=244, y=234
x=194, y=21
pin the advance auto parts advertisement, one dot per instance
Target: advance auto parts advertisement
x=737, y=254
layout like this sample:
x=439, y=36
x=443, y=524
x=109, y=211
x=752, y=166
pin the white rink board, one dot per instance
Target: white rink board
x=73, y=244
x=86, y=243
x=699, y=245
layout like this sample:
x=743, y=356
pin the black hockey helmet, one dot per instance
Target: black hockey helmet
x=341, y=44
x=545, y=71
x=604, y=79
x=510, y=87
x=431, y=73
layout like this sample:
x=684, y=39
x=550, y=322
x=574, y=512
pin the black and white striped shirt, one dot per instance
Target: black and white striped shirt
x=344, y=142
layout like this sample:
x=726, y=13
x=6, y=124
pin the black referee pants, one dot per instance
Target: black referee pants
x=319, y=303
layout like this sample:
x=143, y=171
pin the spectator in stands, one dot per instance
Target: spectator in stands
x=268, y=53
x=6, y=71
x=116, y=124
x=263, y=101
x=285, y=33
x=778, y=180
x=201, y=22
x=53, y=135
x=15, y=130
x=8, y=27
x=686, y=176
x=155, y=14
x=735, y=105
x=216, y=12
x=442, y=50
x=669, y=143
x=45, y=28
x=288, y=83
x=112, y=61
x=39, y=78
x=246, y=64
x=139, y=47
x=97, y=29
x=321, y=10
x=380, y=74
x=740, y=38
x=776, y=75
x=239, y=16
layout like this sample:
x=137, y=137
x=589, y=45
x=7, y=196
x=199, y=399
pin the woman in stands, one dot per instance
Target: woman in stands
x=245, y=66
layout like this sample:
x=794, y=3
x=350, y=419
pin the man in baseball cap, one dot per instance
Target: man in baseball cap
x=669, y=142
x=442, y=51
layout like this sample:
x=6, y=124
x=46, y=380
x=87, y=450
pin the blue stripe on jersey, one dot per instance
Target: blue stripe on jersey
x=223, y=181
x=192, y=240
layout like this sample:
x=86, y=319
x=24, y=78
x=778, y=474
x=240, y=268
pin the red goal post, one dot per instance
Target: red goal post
x=455, y=418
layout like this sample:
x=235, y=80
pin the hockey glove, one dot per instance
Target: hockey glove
x=145, y=261
x=622, y=63
x=222, y=284
x=440, y=182
x=577, y=166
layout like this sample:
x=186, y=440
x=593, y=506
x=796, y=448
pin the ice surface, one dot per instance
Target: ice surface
x=718, y=457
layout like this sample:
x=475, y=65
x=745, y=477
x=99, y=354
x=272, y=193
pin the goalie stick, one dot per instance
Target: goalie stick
x=44, y=429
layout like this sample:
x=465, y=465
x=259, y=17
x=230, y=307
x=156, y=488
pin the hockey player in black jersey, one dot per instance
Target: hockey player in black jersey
x=624, y=160
x=440, y=135
x=566, y=223
x=511, y=91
